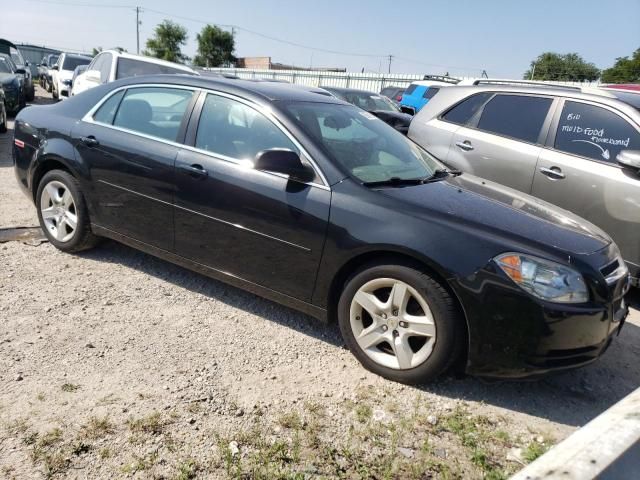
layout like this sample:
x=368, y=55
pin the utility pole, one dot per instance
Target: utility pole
x=533, y=71
x=138, y=30
x=390, y=58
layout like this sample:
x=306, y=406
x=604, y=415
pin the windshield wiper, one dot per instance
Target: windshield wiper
x=438, y=174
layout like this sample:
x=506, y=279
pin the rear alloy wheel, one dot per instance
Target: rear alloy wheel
x=400, y=323
x=63, y=213
x=3, y=120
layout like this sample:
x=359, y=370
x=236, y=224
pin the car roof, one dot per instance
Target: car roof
x=432, y=83
x=271, y=91
x=144, y=58
x=591, y=94
x=351, y=90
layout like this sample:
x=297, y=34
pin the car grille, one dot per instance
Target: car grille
x=616, y=271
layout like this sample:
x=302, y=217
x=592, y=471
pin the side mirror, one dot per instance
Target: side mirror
x=21, y=71
x=92, y=76
x=280, y=160
x=27, y=63
x=629, y=159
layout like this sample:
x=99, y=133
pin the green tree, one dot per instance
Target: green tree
x=166, y=42
x=96, y=51
x=215, y=47
x=625, y=70
x=569, y=67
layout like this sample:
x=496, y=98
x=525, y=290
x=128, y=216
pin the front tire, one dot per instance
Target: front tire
x=400, y=323
x=63, y=213
x=3, y=120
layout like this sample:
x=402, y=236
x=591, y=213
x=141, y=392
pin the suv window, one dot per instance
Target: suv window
x=430, y=92
x=155, y=111
x=517, y=116
x=235, y=130
x=105, y=67
x=128, y=67
x=410, y=89
x=108, y=109
x=465, y=110
x=594, y=132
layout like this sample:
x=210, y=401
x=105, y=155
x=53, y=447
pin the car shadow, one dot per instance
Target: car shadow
x=577, y=396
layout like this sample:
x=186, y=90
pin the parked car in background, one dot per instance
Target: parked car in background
x=393, y=93
x=419, y=93
x=3, y=112
x=8, y=48
x=377, y=105
x=577, y=150
x=44, y=70
x=12, y=81
x=633, y=87
x=62, y=73
x=111, y=65
x=312, y=202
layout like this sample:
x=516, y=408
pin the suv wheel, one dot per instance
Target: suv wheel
x=400, y=323
x=62, y=212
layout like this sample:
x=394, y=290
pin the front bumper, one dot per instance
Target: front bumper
x=515, y=335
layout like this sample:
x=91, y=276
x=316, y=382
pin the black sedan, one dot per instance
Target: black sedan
x=377, y=105
x=311, y=202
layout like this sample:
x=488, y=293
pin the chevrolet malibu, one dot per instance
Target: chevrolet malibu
x=316, y=204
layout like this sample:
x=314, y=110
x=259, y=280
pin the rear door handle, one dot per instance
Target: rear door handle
x=194, y=170
x=90, y=141
x=553, y=173
x=466, y=145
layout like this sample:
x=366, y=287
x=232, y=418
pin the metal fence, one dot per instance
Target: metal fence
x=373, y=82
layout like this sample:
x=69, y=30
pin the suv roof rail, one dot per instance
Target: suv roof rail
x=506, y=81
x=442, y=78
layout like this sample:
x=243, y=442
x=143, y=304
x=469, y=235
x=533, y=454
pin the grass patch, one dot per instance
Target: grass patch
x=290, y=420
x=534, y=450
x=364, y=412
x=70, y=387
x=187, y=470
x=140, y=464
x=97, y=427
x=152, y=424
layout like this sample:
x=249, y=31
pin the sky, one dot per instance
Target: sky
x=461, y=37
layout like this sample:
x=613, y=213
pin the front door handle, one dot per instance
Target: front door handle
x=466, y=145
x=194, y=170
x=555, y=173
x=90, y=141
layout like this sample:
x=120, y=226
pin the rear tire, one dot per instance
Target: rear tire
x=415, y=332
x=3, y=120
x=63, y=213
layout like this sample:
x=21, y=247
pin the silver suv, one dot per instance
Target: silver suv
x=577, y=150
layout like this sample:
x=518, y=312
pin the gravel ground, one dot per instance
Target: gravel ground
x=117, y=364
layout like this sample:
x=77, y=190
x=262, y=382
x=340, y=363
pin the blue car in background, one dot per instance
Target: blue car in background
x=419, y=93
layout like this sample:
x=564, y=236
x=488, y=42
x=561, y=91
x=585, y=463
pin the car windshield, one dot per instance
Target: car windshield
x=4, y=66
x=16, y=57
x=370, y=101
x=630, y=98
x=53, y=59
x=70, y=63
x=369, y=149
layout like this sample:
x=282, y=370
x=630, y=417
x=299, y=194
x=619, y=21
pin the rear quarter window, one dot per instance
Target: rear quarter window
x=594, y=132
x=128, y=67
x=411, y=89
x=516, y=116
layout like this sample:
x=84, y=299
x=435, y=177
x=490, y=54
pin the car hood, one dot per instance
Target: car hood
x=7, y=77
x=501, y=209
x=404, y=117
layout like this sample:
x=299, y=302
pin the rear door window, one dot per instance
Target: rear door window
x=594, y=132
x=463, y=112
x=516, y=116
x=105, y=67
x=155, y=111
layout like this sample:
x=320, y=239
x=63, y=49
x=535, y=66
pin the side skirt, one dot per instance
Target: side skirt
x=309, y=309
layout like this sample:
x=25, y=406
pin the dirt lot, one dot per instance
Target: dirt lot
x=117, y=364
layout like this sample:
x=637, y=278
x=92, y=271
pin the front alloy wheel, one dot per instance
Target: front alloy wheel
x=400, y=322
x=392, y=323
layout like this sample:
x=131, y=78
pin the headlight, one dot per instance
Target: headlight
x=544, y=279
x=66, y=82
